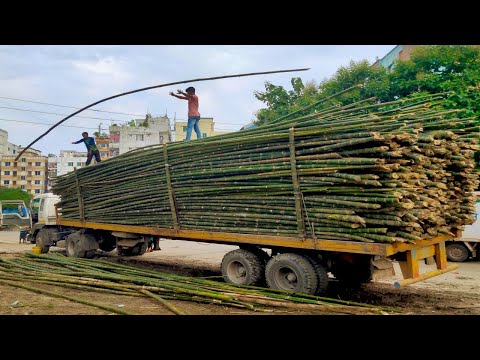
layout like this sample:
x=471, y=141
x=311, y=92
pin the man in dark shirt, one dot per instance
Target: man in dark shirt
x=91, y=148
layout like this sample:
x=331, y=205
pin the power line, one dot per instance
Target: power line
x=50, y=113
x=65, y=106
x=36, y=123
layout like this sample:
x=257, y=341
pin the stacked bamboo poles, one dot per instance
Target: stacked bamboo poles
x=30, y=271
x=397, y=171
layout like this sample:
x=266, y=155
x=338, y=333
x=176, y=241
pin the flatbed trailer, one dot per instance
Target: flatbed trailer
x=350, y=261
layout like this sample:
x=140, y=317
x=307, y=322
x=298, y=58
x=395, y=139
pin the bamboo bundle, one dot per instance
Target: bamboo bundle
x=400, y=166
x=112, y=278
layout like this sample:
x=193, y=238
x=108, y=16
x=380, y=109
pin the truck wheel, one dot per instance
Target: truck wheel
x=322, y=275
x=291, y=272
x=73, y=245
x=243, y=267
x=42, y=241
x=457, y=252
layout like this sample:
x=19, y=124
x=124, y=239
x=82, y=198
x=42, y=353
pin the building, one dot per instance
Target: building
x=29, y=173
x=399, y=52
x=139, y=133
x=69, y=160
x=103, y=145
x=7, y=148
x=207, y=128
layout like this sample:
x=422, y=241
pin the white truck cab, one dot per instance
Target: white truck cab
x=43, y=209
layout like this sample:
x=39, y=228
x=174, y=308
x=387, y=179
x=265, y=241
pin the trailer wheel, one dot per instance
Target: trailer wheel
x=457, y=252
x=322, y=275
x=291, y=272
x=243, y=267
x=42, y=241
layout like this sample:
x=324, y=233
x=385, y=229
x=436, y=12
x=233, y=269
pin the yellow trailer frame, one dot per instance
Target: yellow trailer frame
x=431, y=251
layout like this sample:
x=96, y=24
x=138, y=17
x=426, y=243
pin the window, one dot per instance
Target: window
x=15, y=164
x=24, y=168
x=184, y=129
x=38, y=163
x=38, y=173
x=139, y=137
x=14, y=173
x=204, y=135
x=6, y=182
x=30, y=164
x=70, y=164
x=14, y=182
x=24, y=159
x=42, y=204
x=7, y=164
x=38, y=182
x=29, y=173
x=7, y=172
x=22, y=187
x=22, y=178
x=14, y=151
x=37, y=191
x=79, y=164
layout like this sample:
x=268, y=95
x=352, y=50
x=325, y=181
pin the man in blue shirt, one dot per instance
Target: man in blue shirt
x=91, y=148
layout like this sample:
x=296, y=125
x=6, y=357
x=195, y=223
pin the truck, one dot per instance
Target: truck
x=15, y=213
x=462, y=248
x=287, y=263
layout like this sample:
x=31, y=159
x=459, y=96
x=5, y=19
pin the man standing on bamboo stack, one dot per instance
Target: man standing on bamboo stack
x=193, y=114
x=91, y=148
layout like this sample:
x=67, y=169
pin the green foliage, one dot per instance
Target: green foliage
x=441, y=68
x=15, y=194
x=132, y=123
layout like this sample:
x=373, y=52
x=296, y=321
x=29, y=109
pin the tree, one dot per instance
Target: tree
x=439, y=68
x=15, y=194
x=281, y=102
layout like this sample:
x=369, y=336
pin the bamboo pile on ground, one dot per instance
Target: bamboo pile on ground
x=107, y=277
x=392, y=172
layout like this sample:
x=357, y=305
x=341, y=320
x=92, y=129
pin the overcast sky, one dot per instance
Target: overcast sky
x=79, y=75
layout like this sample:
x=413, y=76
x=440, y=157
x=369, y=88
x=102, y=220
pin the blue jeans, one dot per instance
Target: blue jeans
x=193, y=123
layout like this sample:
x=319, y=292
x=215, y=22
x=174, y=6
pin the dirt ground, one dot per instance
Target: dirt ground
x=457, y=292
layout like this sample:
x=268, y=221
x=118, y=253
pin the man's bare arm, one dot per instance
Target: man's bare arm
x=179, y=97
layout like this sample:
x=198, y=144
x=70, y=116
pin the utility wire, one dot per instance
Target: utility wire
x=65, y=106
x=148, y=88
x=37, y=123
x=51, y=113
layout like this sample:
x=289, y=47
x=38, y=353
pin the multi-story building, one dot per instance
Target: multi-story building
x=206, y=125
x=29, y=173
x=139, y=133
x=69, y=160
x=7, y=148
x=103, y=145
x=399, y=52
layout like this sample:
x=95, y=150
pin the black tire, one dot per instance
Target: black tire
x=457, y=252
x=257, y=251
x=291, y=272
x=322, y=275
x=72, y=245
x=42, y=240
x=243, y=267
